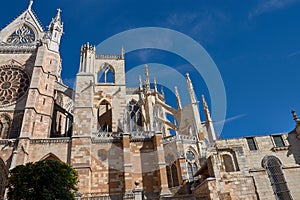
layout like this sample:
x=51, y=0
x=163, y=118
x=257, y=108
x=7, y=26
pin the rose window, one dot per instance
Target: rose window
x=14, y=83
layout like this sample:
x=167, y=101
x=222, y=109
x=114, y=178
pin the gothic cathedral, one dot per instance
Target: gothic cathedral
x=121, y=140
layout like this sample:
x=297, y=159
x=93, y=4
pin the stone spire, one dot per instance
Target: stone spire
x=191, y=89
x=155, y=85
x=162, y=91
x=147, y=81
x=178, y=98
x=209, y=123
x=140, y=82
x=30, y=5
x=55, y=31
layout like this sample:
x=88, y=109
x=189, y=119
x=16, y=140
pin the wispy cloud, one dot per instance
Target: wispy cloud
x=296, y=53
x=230, y=119
x=269, y=6
x=204, y=24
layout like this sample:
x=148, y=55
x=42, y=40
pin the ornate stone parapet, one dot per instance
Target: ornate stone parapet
x=24, y=48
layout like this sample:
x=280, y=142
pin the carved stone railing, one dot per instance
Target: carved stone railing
x=25, y=48
x=103, y=137
x=183, y=138
x=108, y=56
x=140, y=136
x=50, y=140
x=106, y=137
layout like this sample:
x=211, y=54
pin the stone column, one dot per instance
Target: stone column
x=162, y=174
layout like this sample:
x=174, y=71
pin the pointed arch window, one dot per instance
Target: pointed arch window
x=172, y=175
x=134, y=116
x=191, y=165
x=21, y=35
x=273, y=167
x=106, y=74
x=105, y=117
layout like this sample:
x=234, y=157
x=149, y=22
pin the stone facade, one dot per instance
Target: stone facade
x=120, y=139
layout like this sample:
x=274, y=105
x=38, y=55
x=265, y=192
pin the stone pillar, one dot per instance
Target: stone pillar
x=128, y=184
x=162, y=174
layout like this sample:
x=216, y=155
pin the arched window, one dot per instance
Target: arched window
x=273, y=167
x=134, y=116
x=51, y=156
x=191, y=165
x=105, y=117
x=228, y=163
x=172, y=175
x=106, y=75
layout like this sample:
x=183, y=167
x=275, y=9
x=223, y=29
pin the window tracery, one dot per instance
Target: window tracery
x=274, y=169
x=21, y=35
x=134, y=116
x=106, y=75
x=14, y=83
x=191, y=165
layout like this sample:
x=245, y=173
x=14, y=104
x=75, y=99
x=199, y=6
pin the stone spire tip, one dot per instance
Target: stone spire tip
x=30, y=5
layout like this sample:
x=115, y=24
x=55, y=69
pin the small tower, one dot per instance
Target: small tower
x=87, y=58
x=55, y=32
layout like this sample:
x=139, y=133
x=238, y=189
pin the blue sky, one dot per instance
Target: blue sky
x=255, y=45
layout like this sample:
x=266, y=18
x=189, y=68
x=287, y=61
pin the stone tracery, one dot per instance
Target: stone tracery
x=21, y=35
x=14, y=83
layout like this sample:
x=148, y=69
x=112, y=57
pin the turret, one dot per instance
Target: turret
x=55, y=31
x=87, y=58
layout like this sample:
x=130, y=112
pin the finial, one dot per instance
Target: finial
x=122, y=52
x=204, y=102
x=178, y=98
x=162, y=91
x=30, y=4
x=155, y=85
x=295, y=116
x=191, y=89
x=187, y=75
